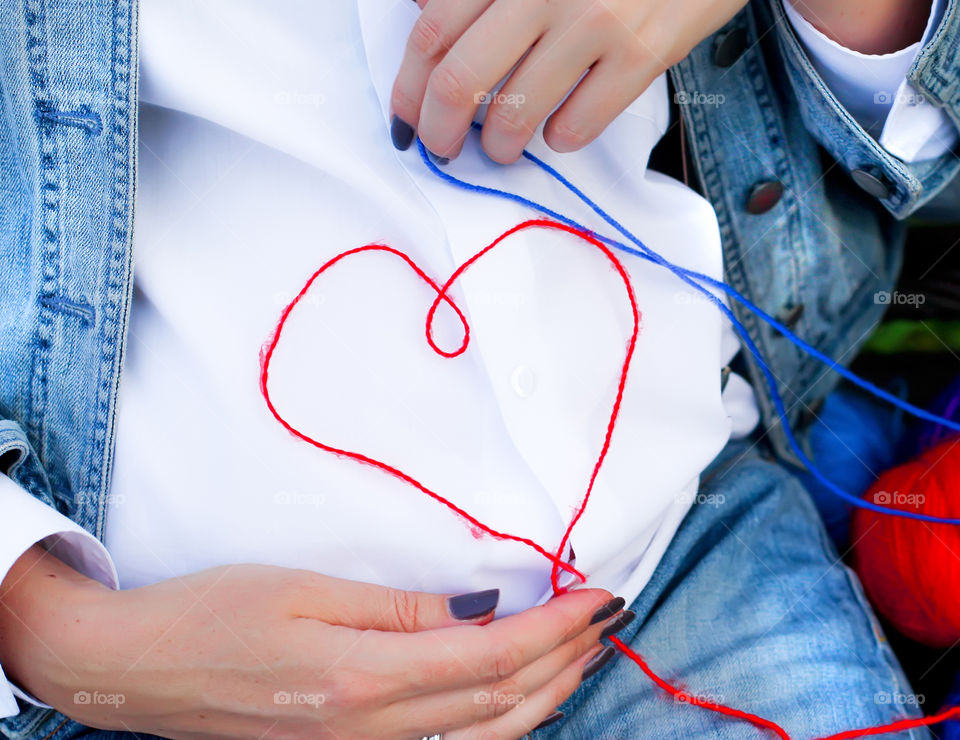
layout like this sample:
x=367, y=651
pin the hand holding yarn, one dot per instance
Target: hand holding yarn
x=460, y=49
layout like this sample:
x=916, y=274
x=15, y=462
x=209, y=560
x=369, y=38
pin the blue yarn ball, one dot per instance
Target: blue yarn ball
x=854, y=440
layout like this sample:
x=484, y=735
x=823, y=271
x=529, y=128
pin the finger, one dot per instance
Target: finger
x=486, y=52
x=535, y=88
x=471, y=656
x=610, y=86
x=538, y=707
x=459, y=708
x=440, y=24
x=367, y=606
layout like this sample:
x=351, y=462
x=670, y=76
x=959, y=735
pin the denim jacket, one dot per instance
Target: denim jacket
x=814, y=254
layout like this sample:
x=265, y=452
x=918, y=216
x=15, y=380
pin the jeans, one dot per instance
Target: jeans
x=752, y=608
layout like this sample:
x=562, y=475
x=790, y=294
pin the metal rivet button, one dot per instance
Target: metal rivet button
x=727, y=47
x=764, y=196
x=791, y=315
x=873, y=182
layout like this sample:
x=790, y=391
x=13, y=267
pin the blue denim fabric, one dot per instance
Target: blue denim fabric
x=68, y=133
x=827, y=247
x=750, y=607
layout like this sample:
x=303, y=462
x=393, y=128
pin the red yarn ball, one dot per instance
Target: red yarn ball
x=911, y=569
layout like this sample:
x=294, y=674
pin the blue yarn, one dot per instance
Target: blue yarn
x=694, y=280
x=853, y=441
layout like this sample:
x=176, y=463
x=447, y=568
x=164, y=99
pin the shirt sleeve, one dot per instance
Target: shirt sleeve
x=27, y=521
x=875, y=90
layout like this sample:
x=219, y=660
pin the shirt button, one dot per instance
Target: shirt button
x=727, y=47
x=523, y=381
x=764, y=196
x=872, y=180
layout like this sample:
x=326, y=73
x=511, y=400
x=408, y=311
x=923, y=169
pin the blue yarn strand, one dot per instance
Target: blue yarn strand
x=696, y=280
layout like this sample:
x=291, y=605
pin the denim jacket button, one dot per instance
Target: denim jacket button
x=727, y=47
x=873, y=181
x=764, y=196
x=791, y=315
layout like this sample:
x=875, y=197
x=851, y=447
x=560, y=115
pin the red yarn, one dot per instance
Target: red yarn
x=911, y=569
x=555, y=558
x=689, y=698
x=270, y=348
x=901, y=726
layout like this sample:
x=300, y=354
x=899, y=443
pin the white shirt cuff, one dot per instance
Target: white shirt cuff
x=875, y=90
x=27, y=521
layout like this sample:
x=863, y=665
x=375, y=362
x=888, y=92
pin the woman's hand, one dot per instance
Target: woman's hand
x=250, y=651
x=460, y=49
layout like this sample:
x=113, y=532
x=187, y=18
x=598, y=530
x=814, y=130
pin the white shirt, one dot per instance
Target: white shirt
x=287, y=144
x=264, y=152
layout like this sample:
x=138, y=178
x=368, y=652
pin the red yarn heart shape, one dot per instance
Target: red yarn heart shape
x=442, y=296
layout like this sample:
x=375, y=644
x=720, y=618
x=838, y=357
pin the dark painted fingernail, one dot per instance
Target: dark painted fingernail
x=402, y=133
x=437, y=159
x=597, y=662
x=607, y=610
x=474, y=605
x=550, y=719
x=618, y=624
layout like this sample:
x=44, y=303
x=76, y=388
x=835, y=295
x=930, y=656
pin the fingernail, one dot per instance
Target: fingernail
x=597, y=662
x=550, y=719
x=437, y=159
x=401, y=132
x=607, y=610
x=473, y=605
x=618, y=624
